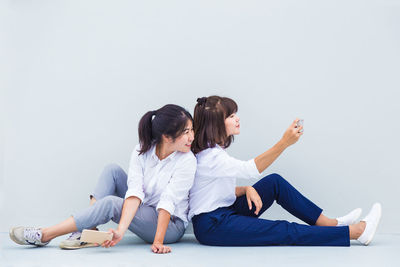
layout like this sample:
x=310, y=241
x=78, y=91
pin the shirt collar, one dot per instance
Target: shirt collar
x=220, y=147
x=155, y=157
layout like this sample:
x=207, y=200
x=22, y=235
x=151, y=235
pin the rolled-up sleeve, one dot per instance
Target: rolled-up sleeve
x=179, y=185
x=223, y=165
x=135, y=176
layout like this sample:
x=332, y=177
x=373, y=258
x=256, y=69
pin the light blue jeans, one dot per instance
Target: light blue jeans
x=109, y=193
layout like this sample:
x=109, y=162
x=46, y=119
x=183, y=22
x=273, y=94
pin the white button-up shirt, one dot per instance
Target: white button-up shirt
x=215, y=180
x=163, y=184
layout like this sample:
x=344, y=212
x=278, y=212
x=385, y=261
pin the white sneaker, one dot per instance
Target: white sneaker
x=350, y=218
x=27, y=236
x=371, y=221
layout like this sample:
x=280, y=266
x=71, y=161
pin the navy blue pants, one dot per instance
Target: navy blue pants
x=238, y=226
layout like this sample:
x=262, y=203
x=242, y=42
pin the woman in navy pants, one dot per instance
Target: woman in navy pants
x=226, y=215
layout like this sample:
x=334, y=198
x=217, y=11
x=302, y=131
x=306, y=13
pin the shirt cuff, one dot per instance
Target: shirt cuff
x=253, y=169
x=166, y=205
x=134, y=193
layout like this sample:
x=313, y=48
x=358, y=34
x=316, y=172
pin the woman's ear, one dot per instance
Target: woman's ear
x=167, y=139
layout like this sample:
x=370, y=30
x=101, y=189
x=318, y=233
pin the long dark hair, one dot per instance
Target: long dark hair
x=170, y=120
x=209, y=122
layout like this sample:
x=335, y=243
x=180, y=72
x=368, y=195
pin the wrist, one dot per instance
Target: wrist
x=121, y=231
x=281, y=145
x=160, y=242
x=244, y=190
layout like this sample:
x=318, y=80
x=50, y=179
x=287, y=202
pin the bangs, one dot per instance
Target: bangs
x=181, y=123
x=229, y=106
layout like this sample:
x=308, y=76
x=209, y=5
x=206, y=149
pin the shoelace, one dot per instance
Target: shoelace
x=75, y=236
x=32, y=235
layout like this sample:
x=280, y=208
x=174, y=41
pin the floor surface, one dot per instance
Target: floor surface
x=131, y=251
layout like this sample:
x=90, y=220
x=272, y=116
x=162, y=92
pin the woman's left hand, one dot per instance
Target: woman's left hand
x=160, y=248
x=253, y=196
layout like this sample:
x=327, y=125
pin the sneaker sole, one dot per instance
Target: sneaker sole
x=89, y=245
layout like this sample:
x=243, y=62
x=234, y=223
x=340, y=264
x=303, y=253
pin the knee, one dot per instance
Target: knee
x=108, y=202
x=272, y=179
x=112, y=168
x=114, y=172
x=275, y=178
x=109, y=208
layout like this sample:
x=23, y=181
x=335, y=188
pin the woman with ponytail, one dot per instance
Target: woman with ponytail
x=226, y=215
x=151, y=200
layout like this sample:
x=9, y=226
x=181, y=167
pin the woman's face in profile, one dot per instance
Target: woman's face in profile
x=184, y=141
x=232, y=125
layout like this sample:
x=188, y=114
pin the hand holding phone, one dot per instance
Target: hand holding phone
x=117, y=236
x=300, y=123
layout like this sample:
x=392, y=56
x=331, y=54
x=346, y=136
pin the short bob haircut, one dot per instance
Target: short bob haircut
x=209, y=122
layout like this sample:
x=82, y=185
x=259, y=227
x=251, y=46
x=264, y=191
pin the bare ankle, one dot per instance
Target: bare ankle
x=356, y=230
x=45, y=236
x=362, y=226
x=325, y=221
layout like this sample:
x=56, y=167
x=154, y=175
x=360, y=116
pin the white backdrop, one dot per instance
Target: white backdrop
x=76, y=76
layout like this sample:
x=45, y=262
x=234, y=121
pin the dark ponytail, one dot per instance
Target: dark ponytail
x=170, y=120
x=145, y=132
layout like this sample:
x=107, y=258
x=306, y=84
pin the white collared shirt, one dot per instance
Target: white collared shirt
x=163, y=184
x=215, y=180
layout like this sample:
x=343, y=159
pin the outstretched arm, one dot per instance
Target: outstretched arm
x=263, y=161
x=291, y=136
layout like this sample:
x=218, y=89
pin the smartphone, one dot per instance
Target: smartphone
x=300, y=123
x=93, y=236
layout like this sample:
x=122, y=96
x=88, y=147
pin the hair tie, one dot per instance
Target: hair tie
x=153, y=114
x=201, y=100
